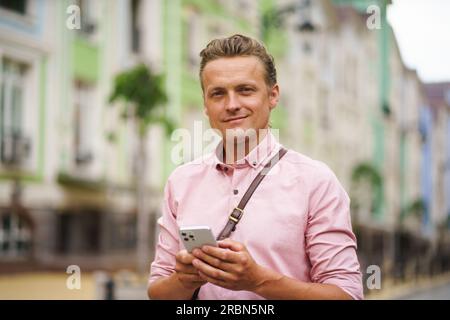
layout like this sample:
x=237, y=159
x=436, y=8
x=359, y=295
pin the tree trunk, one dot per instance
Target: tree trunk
x=143, y=214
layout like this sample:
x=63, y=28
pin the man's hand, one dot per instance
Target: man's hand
x=232, y=267
x=185, y=271
x=229, y=266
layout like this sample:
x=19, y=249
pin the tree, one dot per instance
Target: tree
x=144, y=96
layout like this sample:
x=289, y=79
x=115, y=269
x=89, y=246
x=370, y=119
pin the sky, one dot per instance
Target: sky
x=422, y=29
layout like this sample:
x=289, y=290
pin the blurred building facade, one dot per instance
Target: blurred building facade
x=435, y=172
x=68, y=163
x=67, y=157
x=438, y=104
x=341, y=112
x=67, y=166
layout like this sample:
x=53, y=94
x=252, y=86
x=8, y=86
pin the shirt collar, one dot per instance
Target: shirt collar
x=254, y=159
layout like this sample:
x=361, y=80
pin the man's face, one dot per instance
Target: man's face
x=236, y=94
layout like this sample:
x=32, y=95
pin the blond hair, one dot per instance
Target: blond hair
x=235, y=46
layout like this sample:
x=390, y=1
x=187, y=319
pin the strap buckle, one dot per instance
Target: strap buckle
x=232, y=218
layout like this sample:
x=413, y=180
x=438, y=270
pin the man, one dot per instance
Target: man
x=295, y=239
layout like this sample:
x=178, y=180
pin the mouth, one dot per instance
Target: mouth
x=236, y=119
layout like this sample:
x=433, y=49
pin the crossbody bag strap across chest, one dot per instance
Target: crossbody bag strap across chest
x=238, y=212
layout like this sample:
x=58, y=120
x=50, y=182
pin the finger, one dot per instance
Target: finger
x=190, y=277
x=184, y=268
x=213, y=261
x=222, y=254
x=184, y=257
x=231, y=244
x=212, y=272
x=217, y=282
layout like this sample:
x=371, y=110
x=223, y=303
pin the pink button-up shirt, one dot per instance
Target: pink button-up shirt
x=296, y=223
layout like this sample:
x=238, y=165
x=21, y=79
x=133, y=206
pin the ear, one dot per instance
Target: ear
x=274, y=96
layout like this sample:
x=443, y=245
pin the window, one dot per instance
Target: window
x=79, y=232
x=123, y=231
x=194, y=38
x=14, y=146
x=15, y=236
x=135, y=28
x=86, y=17
x=447, y=96
x=18, y=6
x=83, y=129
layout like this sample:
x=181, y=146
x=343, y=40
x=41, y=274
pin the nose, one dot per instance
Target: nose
x=233, y=103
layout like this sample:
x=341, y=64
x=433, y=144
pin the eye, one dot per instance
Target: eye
x=246, y=90
x=216, y=94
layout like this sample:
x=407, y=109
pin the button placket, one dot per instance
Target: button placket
x=238, y=179
x=233, y=183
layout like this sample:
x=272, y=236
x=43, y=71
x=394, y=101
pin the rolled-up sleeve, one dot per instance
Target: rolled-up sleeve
x=330, y=242
x=168, y=244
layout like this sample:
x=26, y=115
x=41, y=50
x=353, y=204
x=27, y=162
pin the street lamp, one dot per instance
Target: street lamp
x=276, y=17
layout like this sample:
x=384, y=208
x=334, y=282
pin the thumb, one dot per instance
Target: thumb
x=184, y=257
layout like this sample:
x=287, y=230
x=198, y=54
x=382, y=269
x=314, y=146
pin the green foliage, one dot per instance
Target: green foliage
x=144, y=95
x=111, y=137
x=416, y=208
x=367, y=171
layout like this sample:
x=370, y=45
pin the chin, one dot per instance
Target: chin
x=240, y=133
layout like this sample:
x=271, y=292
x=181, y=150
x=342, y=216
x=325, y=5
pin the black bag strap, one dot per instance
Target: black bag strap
x=238, y=212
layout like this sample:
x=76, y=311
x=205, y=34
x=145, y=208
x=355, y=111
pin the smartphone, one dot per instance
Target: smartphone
x=196, y=237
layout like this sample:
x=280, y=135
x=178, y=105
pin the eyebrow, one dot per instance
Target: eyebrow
x=214, y=89
x=240, y=85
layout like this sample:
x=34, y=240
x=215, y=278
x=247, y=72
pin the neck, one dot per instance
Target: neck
x=237, y=148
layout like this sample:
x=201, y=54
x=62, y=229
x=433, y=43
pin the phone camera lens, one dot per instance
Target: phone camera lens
x=183, y=234
x=191, y=236
x=186, y=239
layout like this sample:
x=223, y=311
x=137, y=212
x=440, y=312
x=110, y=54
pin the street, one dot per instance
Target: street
x=439, y=292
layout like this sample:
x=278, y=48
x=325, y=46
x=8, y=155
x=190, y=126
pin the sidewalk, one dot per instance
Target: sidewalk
x=44, y=285
x=52, y=286
x=393, y=292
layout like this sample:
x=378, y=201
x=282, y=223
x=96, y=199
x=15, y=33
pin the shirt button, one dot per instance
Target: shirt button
x=235, y=191
x=254, y=163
